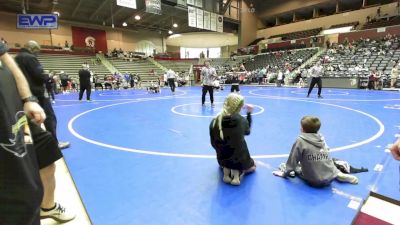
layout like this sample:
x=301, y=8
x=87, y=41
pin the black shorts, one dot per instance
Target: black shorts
x=64, y=83
x=45, y=146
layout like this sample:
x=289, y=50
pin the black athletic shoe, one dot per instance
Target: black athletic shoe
x=319, y=96
x=308, y=96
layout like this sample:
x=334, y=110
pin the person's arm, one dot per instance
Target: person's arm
x=395, y=149
x=35, y=70
x=247, y=125
x=292, y=162
x=32, y=109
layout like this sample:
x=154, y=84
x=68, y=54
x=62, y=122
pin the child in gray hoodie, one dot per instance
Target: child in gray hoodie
x=309, y=158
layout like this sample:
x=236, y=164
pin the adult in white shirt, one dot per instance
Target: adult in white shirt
x=208, y=76
x=171, y=76
x=316, y=73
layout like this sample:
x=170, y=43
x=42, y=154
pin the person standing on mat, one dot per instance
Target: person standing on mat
x=171, y=76
x=235, y=83
x=33, y=71
x=316, y=73
x=85, y=84
x=208, y=76
x=227, y=136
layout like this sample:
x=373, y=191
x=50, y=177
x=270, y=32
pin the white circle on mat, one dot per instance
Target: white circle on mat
x=174, y=110
x=183, y=155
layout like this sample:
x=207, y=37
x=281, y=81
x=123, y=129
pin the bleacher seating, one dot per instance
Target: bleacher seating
x=299, y=34
x=178, y=65
x=142, y=67
x=71, y=64
x=223, y=64
x=374, y=61
x=390, y=21
x=280, y=58
x=352, y=24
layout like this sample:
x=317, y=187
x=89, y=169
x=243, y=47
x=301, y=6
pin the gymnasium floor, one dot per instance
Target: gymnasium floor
x=139, y=158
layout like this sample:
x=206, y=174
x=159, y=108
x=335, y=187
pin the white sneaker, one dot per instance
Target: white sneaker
x=59, y=213
x=54, y=102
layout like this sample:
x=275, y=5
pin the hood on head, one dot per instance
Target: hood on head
x=313, y=138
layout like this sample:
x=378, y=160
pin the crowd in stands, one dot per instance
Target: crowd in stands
x=127, y=55
x=373, y=60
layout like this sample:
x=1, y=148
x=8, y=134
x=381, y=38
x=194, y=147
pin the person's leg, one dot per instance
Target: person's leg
x=47, y=175
x=313, y=82
x=203, y=95
x=342, y=177
x=319, y=83
x=88, y=92
x=211, y=90
x=48, y=153
x=232, y=88
x=81, y=90
x=51, y=121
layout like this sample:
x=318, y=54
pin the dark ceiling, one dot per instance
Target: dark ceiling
x=268, y=10
x=105, y=12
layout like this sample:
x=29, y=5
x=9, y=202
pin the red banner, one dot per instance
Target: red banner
x=92, y=38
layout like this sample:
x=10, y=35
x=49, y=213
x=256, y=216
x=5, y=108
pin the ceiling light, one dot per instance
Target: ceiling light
x=170, y=32
x=112, y=25
x=175, y=25
x=137, y=17
x=124, y=24
x=57, y=13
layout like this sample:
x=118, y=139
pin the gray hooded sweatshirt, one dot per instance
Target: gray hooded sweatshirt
x=311, y=152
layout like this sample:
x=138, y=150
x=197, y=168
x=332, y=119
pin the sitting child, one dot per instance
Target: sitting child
x=153, y=88
x=309, y=158
x=227, y=133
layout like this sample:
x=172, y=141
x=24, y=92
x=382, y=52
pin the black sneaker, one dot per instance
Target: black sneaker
x=319, y=96
x=308, y=96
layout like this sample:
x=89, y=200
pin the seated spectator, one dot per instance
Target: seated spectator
x=310, y=160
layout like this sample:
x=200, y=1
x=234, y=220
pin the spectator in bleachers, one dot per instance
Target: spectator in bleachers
x=394, y=74
x=85, y=84
x=66, y=45
x=3, y=41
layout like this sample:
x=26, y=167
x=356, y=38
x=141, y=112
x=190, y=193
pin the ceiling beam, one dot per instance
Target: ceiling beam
x=77, y=7
x=225, y=7
x=91, y=17
x=118, y=11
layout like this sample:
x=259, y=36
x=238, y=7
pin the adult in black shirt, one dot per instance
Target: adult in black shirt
x=21, y=189
x=85, y=84
x=46, y=144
